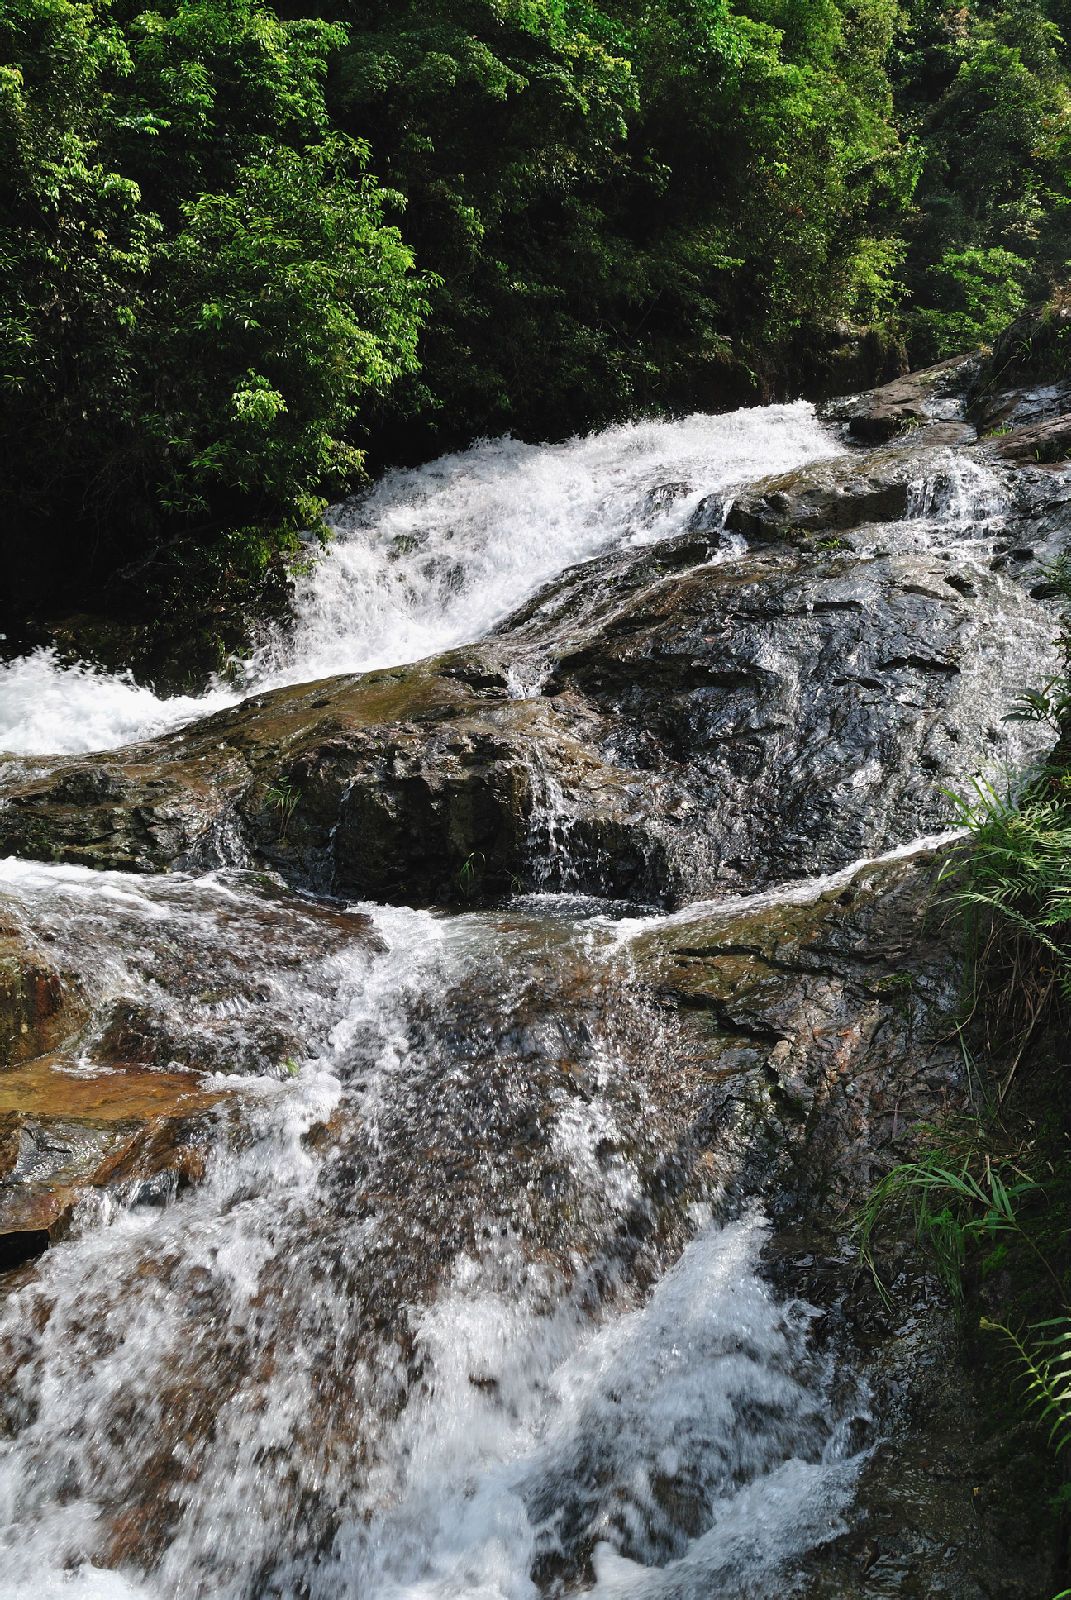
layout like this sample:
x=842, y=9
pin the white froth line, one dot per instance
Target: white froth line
x=798, y=892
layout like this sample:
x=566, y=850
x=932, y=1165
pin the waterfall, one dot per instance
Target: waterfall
x=461, y=1302
x=433, y=557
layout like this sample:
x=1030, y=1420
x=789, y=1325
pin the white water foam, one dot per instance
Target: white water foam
x=435, y=556
x=49, y=708
x=575, y=1431
x=597, y=1433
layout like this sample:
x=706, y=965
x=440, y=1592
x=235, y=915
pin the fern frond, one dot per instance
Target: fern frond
x=1046, y=1376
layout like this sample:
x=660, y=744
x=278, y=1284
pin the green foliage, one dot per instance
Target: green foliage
x=975, y=1210
x=286, y=302
x=1045, y=1370
x=241, y=247
x=1017, y=865
x=985, y=90
x=470, y=873
x=977, y=293
x=282, y=798
x=200, y=287
x=955, y=1208
x=626, y=206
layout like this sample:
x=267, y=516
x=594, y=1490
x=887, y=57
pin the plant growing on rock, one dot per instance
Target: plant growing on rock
x=282, y=798
x=958, y=1202
x=470, y=873
x=1045, y=1368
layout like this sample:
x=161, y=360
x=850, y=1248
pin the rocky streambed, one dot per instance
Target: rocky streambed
x=436, y=1098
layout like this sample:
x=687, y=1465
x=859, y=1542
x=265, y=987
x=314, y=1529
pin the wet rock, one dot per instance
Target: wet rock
x=829, y=496
x=818, y=1029
x=38, y=1005
x=380, y=767
x=913, y=401
x=66, y=1132
x=406, y=813
x=137, y=816
x=1049, y=440
x=760, y=704
x=698, y=728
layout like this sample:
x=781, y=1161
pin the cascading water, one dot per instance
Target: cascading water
x=397, y=1343
x=959, y=491
x=434, y=557
x=962, y=499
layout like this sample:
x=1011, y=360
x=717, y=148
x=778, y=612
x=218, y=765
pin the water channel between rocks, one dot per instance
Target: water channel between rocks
x=454, y=1300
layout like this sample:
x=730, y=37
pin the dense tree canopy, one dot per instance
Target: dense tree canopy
x=620, y=203
x=200, y=289
x=986, y=94
x=239, y=244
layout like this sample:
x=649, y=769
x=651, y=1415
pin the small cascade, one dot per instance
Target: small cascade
x=961, y=492
x=224, y=973
x=527, y=679
x=614, y=1458
x=551, y=860
x=801, y=892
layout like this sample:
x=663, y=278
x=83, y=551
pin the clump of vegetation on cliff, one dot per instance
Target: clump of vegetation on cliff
x=241, y=245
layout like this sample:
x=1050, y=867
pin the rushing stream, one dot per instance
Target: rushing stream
x=402, y=1339
x=448, y=1315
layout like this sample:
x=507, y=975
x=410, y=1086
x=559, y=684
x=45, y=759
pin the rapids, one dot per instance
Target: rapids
x=389, y=1362
x=454, y=1311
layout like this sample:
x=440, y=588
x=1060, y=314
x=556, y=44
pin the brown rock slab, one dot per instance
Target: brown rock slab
x=828, y=496
x=65, y=1130
x=908, y=402
x=1045, y=441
